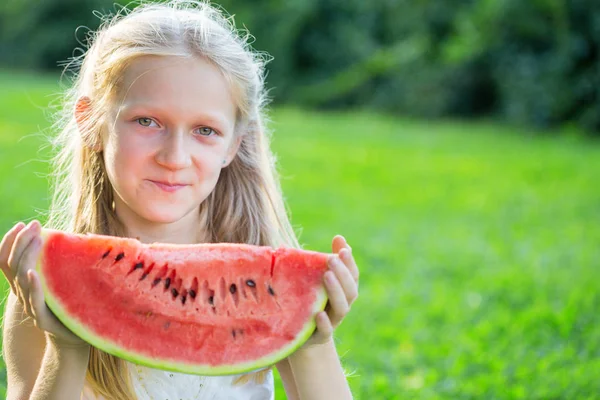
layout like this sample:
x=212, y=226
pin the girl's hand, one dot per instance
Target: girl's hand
x=341, y=283
x=19, y=252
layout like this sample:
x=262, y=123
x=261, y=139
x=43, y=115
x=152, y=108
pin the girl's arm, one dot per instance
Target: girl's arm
x=314, y=371
x=318, y=373
x=287, y=378
x=63, y=371
x=38, y=368
x=23, y=349
x=44, y=359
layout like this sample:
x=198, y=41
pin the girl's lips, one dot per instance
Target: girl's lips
x=169, y=187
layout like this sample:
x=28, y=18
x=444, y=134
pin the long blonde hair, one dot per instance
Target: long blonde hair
x=246, y=205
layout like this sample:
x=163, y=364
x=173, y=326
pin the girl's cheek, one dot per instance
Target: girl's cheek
x=133, y=141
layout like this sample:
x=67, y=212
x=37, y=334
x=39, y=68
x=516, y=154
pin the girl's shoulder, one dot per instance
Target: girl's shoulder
x=149, y=383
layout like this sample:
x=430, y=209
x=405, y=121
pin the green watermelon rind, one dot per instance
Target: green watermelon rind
x=173, y=365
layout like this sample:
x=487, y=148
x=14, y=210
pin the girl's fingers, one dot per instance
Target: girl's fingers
x=5, y=248
x=23, y=300
x=29, y=259
x=345, y=278
x=40, y=313
x=22, y=241
x=27, y=263
x=44, y=319
x=341, y=247
x=8, y=240
x=33, y=306
x=338, y=243
x=337, y=299
x=346, y=256
x=324, y=326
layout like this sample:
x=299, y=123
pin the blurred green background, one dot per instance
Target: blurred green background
x=454, y=143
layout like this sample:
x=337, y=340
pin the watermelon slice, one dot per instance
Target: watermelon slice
x=207, y=309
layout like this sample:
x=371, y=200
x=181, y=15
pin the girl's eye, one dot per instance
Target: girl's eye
x=145, y=121
x=205, y=131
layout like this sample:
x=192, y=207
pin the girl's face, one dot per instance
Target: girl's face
x=171, y=135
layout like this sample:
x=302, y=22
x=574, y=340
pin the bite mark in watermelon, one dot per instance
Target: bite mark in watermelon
x=208, y=309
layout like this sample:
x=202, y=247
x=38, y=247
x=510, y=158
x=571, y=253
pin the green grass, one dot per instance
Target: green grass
x=477, y=243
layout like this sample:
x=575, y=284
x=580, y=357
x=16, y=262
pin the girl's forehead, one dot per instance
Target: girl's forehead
x=182, y=84
x=171, y=72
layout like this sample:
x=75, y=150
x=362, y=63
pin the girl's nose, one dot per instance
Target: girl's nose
x=174, y=152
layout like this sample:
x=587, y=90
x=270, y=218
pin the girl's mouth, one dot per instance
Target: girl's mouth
x=169, y=187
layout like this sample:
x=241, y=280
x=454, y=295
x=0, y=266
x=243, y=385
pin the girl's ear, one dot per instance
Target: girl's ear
x=83, y=110
x=233, y=148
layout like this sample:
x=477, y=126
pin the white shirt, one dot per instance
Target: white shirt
x=155, y=384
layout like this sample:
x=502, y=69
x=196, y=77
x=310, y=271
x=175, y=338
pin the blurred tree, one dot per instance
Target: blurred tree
x=542, y=57
x=535, y=61
x=41, y=34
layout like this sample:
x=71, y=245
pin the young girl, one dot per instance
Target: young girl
x=162, y=139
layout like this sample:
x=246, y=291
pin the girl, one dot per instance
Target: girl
x=162, y=139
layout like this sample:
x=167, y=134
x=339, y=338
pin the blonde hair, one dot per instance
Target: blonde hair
x=246, y=205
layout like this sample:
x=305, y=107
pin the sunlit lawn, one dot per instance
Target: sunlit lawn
x=478, y=244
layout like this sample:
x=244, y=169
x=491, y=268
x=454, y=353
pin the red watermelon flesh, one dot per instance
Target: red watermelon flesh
x=209, y=309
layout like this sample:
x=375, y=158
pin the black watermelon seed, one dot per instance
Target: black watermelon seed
x=155, y=282
x=105, y=254
x=183, y=299
x=174, y=292
x=144, y=275
x=167, y=283
x=271, y=292
x=136, y=266
x=192, y=293
x=119, y=256
x=211, y=300
x=233, y=333
x=250, y=283
x=233, y=288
